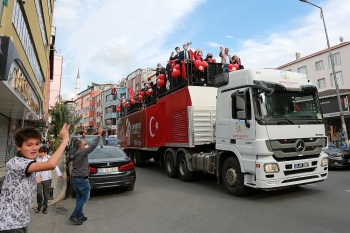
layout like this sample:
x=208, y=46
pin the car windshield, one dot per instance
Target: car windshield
x=106, y=153
x=288, y=104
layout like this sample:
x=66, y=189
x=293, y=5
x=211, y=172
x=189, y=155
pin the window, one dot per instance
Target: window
x=49, y=6
x=336, y=60
x=302, y=70
x=41, y=21
x=321, y=83
x=319, y=65
x=137, y=87
x=339, y=76
x=26, y=41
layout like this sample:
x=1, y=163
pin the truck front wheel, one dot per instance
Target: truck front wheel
x=233, y=178
x=184, y=173
x=170, y=165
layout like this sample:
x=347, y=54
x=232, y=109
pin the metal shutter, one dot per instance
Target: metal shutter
x=4, y=132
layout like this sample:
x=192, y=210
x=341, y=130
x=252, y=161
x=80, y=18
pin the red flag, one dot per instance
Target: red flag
x=183, y=70
x=171, y=63
x=131, y=92
x=191, y=55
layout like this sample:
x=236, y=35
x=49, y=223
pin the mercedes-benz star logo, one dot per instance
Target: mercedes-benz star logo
x=300, y=145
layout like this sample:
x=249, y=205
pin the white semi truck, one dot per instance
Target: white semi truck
x=253, y=128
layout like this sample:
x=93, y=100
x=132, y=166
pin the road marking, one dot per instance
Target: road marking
x=312, y=184
x=347, y=191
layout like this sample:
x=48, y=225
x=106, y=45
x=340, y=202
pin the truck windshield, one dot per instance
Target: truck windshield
x=290, y=105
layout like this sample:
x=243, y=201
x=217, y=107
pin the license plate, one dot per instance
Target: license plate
x=301, y=165
x=108, y=169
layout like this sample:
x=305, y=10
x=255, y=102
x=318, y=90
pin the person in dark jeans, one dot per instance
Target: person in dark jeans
x=80, y=176
x=43, y=187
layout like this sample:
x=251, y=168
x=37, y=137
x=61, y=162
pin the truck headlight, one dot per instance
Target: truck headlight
x=271, y=167
x=324, y=162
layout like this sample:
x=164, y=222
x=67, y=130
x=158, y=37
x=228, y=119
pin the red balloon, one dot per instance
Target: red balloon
x=142, y=93
x=177, y=66
x=148, y=93
x=236, y=66
x=197, y=64
x=204, y=64
x=140, y=97
x=201, y=68
x=161, y=82
x=118, y=109
x=161, y=76
x=230, y=66
x=176, y=73
x=126, y=104
x=132, y=101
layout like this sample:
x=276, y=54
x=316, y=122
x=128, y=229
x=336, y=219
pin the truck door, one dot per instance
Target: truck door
x=242, y=127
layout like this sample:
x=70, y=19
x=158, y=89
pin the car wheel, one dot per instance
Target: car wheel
x=183, y=172
x=233, y=178
x=170, y=165
x=129, y=188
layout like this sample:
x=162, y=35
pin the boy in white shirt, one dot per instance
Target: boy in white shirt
x=44, y=179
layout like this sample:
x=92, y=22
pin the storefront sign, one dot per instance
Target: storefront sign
x=330, y=106
x=19, y=83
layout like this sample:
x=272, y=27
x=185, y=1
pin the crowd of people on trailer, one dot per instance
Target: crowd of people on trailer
x=186, y=55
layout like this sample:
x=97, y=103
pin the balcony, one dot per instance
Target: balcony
x=111, y=115
x=112, y=102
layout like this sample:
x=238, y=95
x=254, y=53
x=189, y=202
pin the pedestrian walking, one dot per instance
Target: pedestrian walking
x=44, y=181
x=18, y=190
x=80, y=175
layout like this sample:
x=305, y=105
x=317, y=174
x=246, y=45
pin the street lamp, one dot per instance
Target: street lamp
x=334, y=76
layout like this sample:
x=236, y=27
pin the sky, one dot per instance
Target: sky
x=107, y=40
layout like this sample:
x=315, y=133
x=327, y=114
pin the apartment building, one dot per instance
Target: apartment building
x=319, y=70
x=85, y=107
x=111, y=101
x=25, y=51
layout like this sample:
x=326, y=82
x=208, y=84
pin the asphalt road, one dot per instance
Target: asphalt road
x=161, y=204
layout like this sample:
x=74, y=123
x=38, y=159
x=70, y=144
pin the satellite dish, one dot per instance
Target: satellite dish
x=341, y=39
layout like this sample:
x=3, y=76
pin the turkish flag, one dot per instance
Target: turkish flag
x=155, y=125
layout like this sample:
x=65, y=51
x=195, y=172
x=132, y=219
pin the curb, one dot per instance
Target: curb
x=62, y=194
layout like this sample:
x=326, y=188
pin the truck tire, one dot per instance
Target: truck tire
x=233, y=178
x=136, y=158
x=170, y=165
x=183, y=172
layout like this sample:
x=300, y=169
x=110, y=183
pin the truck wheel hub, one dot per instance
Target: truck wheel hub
x=231, y=176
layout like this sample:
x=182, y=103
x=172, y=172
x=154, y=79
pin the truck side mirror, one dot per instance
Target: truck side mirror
x=241, y=106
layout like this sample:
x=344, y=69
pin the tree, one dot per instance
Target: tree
x=60, y=114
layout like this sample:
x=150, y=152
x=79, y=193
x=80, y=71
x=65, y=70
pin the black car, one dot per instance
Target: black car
x=337, y=156
x=109, y=167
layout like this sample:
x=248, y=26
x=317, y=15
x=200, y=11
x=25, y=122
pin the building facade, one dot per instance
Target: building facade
x=111, y=101
x=85, y=107
x=319, y=70
x=24, y=68
x=55, y=83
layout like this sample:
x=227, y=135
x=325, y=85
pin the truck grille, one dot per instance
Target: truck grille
x=293, y=172
x=288, y=148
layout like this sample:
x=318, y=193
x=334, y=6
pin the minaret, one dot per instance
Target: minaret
x=77, y=85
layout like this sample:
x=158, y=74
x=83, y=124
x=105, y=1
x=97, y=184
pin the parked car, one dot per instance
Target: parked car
x=109, y=167
x=338, y=157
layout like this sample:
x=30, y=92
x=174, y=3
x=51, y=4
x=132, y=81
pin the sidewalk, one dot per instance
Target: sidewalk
x=59, y=185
